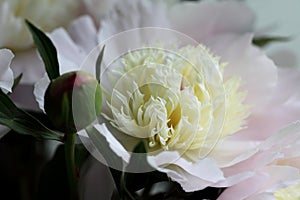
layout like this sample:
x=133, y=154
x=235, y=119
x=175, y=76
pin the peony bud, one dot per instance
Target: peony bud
x=73, y=101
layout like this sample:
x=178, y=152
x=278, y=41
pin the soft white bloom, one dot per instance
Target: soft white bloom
x=47, y=14
x=249, y=79
x=6, y=77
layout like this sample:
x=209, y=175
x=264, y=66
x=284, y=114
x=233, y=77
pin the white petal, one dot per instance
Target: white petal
x=70, y=55
x=202, y=20
x=84, y=33
x=14, y=33
x=6, y=74
x=205, y=169
x=129, y=14
x=113, y=142
x=99, y=8
x=3, y=131
x=191, y=176
x=40, y=89
x=258, y=73
x=229, y=152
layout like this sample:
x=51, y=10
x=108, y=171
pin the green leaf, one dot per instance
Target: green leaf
x=22, y=122
x=46, y=49
x=17, y=81
x=98, y=64
x=266, y=40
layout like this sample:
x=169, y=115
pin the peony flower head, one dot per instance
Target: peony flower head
x=223, y=112
x=177, y=102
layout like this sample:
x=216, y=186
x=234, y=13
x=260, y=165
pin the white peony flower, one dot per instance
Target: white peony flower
x=6, y=77
x=47, y=14
x=260, y=99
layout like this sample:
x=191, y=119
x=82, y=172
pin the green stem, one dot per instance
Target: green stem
x=125, y=194
x=70, y=164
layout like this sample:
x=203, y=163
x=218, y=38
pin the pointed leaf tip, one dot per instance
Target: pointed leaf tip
x=46, y=49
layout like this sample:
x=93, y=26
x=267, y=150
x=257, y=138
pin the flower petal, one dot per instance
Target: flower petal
x=40, y=89
x=257, y=72
x=113, y=142
x=6, y=74
x=84, y=33
x=284, y=108
x=70, y=55
x=202, y=20
x=242, y=190
x=191, y=176
x=129, y=14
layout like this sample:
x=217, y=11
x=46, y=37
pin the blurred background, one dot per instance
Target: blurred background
x=279, y=18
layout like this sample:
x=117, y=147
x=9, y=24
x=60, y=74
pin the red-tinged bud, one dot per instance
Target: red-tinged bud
x=73, y=101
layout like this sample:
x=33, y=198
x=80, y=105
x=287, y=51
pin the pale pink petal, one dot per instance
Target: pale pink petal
x=257, y=72
x=280, y=177
x=264, y=183
x=202, y=20
x=6, y=74
x=245, y=188
x=283, y=108
x=264, y=153
x=234, y=179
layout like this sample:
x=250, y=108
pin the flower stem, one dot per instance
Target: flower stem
x=70, y=164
